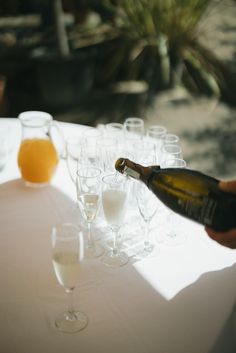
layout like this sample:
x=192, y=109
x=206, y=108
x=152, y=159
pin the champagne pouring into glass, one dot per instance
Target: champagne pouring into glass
x=67, y=255
x=114, y=199
x=190, y=193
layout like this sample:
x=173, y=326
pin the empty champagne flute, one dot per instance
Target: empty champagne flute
x=88, y=184
x=107, y=149
x=67, y=256
x=134, y=128
x=147, y=205
x=143, y=152
x=133, y=133
x=171, y=152
x=114, y=199
x=90, y=151
x=74, y=153
x=156, y=134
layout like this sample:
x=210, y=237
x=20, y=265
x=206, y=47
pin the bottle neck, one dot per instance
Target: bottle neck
x=135, y=171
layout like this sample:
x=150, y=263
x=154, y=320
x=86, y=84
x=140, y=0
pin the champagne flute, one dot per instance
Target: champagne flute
x=74, y=153
x=107, y=148
x=67, y=255
x=171, y=151
x=156, y=134
x=145, y=200
x=74, y=156
x=116, y=130
x=134, y=128
x=114, y=198
x=88, y=184
x=90, y=151
x=147, y=205
x=143, y=153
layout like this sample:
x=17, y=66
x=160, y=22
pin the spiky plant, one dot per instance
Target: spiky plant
x=160, y=35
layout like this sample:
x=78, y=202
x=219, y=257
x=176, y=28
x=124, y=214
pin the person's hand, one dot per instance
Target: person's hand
x=227, y=238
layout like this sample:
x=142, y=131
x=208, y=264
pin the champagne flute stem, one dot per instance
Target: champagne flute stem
x=90, y=238
x=115, y=247
x=70, y=295
x=147, y=240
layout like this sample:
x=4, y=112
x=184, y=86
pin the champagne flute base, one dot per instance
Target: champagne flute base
x=115, y=259
x=71, y=322
x=146, y=251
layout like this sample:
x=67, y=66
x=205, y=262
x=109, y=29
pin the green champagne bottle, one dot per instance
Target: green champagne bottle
x=187, y=192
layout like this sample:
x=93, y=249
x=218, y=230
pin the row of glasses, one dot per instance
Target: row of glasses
x=90, y=162
x=102, y=151
x=167, y=153
x=156, y=147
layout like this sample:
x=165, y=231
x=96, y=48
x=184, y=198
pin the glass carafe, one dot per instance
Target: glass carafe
x=37, y=156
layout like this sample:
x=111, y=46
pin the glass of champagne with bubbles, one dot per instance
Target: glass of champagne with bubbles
x=114, y=200
x=67, y=256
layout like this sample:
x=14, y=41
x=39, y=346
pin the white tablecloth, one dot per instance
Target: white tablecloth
x=182, y=300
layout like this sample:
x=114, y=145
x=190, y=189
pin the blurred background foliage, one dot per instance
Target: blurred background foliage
x=53, y=53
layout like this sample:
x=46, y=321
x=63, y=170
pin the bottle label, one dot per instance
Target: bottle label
x=132, y=173
x=203, y=212
x=208, y=210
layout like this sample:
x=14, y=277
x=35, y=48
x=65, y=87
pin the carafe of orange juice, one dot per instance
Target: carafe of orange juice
x=37, y=157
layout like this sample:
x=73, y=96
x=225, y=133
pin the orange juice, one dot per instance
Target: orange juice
x=37, y=160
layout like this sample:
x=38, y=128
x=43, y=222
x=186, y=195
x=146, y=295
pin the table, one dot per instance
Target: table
x=181, y=301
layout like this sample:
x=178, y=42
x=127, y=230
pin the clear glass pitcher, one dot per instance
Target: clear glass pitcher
x=37, y=156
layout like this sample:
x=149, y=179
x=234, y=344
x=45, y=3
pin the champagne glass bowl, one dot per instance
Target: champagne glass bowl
x=134, y=128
